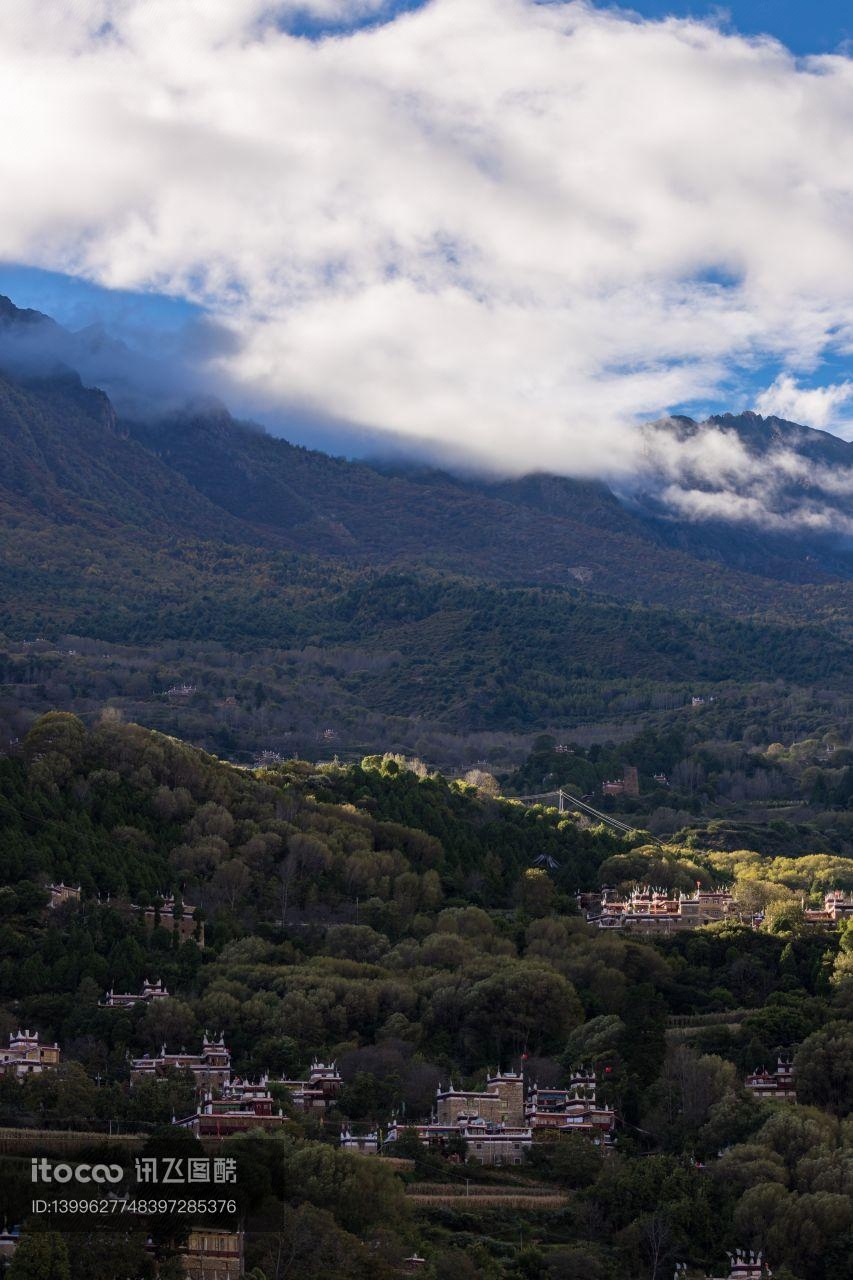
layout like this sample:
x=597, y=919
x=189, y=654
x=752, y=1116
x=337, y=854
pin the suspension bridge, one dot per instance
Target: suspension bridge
x=565, y=802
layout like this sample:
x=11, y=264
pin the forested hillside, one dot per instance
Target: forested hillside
x=214, y=582
x=443, y=645
x=401, y=924
x=716, y=789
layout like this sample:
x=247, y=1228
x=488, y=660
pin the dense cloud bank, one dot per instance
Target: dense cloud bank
x=510, y=229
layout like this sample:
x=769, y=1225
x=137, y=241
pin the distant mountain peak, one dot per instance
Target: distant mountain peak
x=12, y=315
x=767, y=497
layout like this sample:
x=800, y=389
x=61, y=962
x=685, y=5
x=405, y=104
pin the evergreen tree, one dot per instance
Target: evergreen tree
x=40, y=1255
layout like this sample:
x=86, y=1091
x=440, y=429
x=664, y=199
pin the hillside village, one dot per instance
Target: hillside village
x=426, y=640
x=492, y=1126
x=550, y=1040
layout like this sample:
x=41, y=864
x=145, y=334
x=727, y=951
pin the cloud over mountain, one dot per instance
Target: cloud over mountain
x=818, y=406
x=511, y=229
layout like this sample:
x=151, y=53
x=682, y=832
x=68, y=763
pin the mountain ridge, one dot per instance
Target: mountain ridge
x=200, y=474
x=204, y=577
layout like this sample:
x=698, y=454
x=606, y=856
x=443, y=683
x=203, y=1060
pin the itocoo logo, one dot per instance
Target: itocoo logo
x=43, y=1170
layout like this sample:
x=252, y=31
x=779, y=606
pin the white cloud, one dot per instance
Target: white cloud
x=815, y=406
x=701, y=504
x=496, y=224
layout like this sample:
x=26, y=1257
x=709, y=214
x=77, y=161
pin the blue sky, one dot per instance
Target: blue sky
x=77, y=303
x=806, y=28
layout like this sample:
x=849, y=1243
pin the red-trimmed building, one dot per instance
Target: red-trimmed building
x=837, y=907
x=485, y=1141
x=26, y=1056
x=211, y=1067
x=574, y=1109
x=150, y=992
x=220, y=1117
x=775, y=1086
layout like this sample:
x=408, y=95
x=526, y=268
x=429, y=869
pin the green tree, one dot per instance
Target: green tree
x=56, y=734
x=361, y=1193
x=748, y=1165
x=571, y=1160
x=576, y=1263
x=795, y=1131
x=308, y=1243
x=535, y=892
x=757, y=1212
x=525, y=1005
x=824, y=1068
x=598, y=1038
x=40, y=1255
x=109, y=1255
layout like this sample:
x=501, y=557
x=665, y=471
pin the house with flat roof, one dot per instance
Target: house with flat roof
x=365, y=1144
x=650, y=910
x=502, y=1100
x=221, y=1117
x=486, y=1141
x=211, y=1067
x=27, y=1056
x=126, y=999
x=774, y=1086
x=837, y=907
